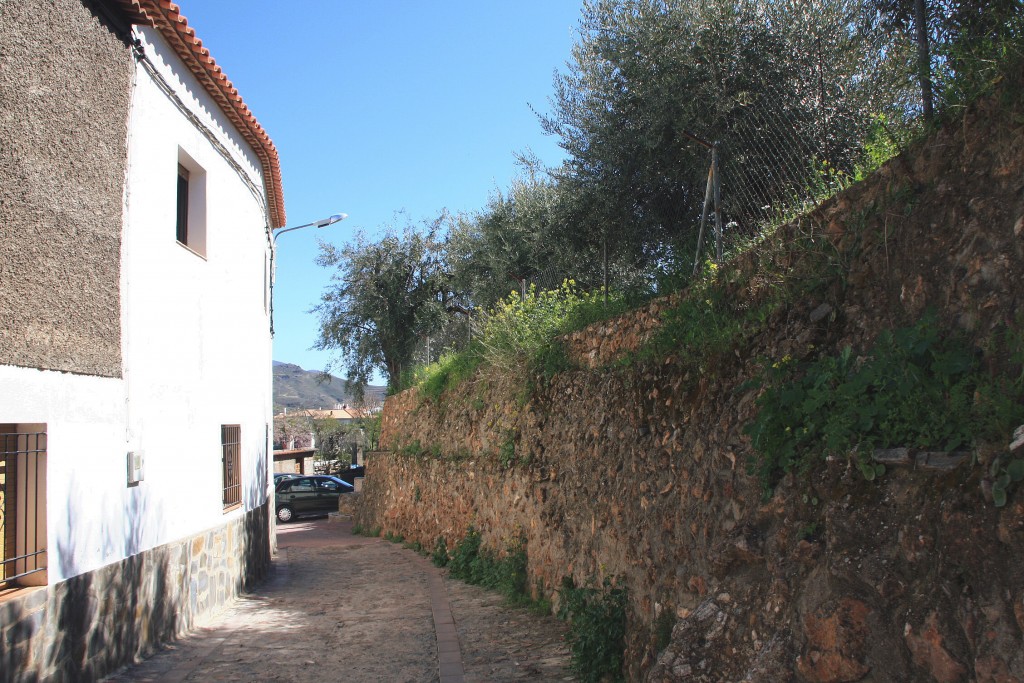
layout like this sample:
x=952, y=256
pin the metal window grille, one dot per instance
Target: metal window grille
x=22, y=505
x=231, y=463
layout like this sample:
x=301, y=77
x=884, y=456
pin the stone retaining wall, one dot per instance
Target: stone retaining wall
x=88, y=626
x=637, y=473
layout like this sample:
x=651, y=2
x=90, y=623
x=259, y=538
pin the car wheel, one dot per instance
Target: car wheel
x=284, y=514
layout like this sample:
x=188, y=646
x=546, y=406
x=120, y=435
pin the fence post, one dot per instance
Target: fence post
x=604, y=247
x=704, y=217
x=716, y=173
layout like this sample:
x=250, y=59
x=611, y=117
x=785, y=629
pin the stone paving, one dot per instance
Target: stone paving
x=339, y=607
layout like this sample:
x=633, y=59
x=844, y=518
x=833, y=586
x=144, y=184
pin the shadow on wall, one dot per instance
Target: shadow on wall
x=256, y=529
x=110, y=616
x=100, y=620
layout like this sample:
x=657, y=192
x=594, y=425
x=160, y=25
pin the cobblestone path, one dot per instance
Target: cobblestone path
x=339, y=607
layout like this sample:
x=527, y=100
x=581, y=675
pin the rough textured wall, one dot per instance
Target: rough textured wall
x=637, y=472
x=65, y=83
x=88, y=626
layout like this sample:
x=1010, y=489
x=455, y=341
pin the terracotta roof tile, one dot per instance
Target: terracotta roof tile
x=167, y=18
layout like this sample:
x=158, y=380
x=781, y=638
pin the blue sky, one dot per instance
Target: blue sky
x=377, y=107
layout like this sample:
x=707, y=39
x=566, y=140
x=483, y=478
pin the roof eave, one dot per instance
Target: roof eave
x=166, y=17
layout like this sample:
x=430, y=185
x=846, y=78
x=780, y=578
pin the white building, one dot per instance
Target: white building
x=137, y=198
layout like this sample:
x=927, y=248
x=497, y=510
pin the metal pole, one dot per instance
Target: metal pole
x=604, y=245
x=703, y=221
x=718, y=202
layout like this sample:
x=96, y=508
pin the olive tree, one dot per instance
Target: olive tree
x=384, y=296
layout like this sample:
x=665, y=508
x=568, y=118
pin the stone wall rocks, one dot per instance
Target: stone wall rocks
x=637, y=472
x=88, y=626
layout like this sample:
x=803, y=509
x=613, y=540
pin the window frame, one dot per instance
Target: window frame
x=181, y=216
x=23, y=534
x=190, y=204
x=231, y=466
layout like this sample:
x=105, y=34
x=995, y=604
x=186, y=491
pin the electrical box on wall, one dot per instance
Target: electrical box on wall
x=135, y=467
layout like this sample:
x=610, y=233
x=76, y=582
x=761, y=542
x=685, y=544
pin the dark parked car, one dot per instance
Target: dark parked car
x=278, y=476
x=308, y=495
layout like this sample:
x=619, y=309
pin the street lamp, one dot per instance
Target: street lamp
x=322, y=223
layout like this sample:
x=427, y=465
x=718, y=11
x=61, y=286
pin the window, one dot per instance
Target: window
x=190, y=204
x=182, y=220
x=23, y=505
x=297, y=486
x=231, y=464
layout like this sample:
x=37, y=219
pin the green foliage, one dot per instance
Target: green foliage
x=505, y=573
x=998, y=400
x=519, y=235
x=413, y=448
x=552, y=359
x=883, y=142
x=915, y=388
x=393, y=538
x=360, y=530
x=507, y=451
x=710, y=320
x=663, y=626
x=384, y=296
x=520, y=333
x=518, y=330
x=448, y=371
x=971, y=43
x=336, y=441
x=370, y=425
x=597, y=629
x=440, y=555
x=808, y=532
x=460, y=562
x=1003, y=473
x=775, y=84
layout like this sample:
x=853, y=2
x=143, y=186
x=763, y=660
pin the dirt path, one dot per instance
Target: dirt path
x=343, y=607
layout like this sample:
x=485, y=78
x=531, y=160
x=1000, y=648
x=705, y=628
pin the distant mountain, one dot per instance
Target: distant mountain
x=298, y=388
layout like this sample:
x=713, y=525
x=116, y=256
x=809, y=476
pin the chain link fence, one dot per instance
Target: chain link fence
x=842, y=91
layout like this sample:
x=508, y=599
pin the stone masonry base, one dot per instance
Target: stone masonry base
x=89, y=625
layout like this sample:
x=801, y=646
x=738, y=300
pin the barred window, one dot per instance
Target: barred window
x=231, y=464
x=23, y=505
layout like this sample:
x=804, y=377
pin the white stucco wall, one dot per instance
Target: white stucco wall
x=196, y=338
x=196, y=348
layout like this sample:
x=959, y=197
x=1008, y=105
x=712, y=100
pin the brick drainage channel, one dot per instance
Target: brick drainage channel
x=344, y=607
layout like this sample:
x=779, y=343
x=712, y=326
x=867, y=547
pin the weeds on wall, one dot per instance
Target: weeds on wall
x=449, y=370
x=731, y=303
x=520, y=332
x=440, y=555
x=916, y=387
x=393, y=538
x=507, y=450
x=663, y=626
x=474, y=564
x=597, y=629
